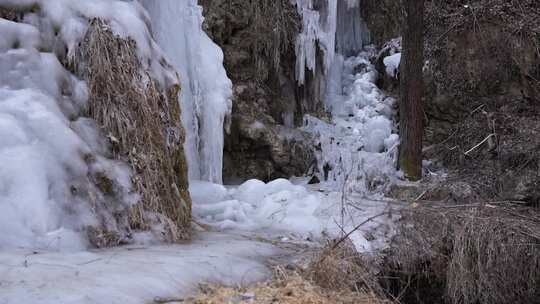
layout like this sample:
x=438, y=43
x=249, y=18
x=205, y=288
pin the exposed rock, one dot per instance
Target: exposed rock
x=314, y=180
x=258, y=39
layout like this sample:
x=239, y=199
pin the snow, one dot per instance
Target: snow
x=206, y=90
x=277, y=206
x=131, y=274
x=392, y=64
x=41, y=157
x=299, y=212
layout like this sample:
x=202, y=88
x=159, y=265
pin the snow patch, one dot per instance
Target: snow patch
x=392, y=64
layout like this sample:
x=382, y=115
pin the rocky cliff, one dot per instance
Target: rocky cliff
x=258, y=40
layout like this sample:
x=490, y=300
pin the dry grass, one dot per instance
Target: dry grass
x=479, y=253
x=342, y=268
x=142, y=121
x=333, y=276
x=288, y=289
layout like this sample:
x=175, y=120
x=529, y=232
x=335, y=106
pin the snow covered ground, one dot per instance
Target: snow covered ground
x=135, y=274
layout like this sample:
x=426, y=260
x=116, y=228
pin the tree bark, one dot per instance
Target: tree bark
x=411, y=104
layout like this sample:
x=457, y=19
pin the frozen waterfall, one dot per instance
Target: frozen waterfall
x=331, y=28
x=206, y=90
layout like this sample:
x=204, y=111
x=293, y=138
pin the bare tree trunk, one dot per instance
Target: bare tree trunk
x=412, y=91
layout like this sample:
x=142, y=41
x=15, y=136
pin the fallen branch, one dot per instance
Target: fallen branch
x=358, y=227
x=480, y=143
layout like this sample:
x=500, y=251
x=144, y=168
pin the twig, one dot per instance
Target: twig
x=160, y=300
x=358, y=227
x=480, y=143
x=89, y=262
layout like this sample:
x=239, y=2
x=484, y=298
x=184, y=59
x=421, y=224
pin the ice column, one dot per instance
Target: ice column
x=206, y=90
x=318, y=30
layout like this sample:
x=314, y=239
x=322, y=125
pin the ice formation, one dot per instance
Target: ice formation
x=291, y=211
x=351, y=31
x=49, y=153
x=357, y=149
x=318, y=31
x=206, y=89
x=335, y=27
x=257, y=206
x=359, y=145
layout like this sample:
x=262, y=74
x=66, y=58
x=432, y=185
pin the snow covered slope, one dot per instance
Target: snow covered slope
x=50, y=155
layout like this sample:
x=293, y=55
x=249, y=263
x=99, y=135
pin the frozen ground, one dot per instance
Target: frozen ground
x=135, y=274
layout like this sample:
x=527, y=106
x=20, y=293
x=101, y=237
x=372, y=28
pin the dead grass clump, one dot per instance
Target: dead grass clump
x=335, y=274
x=142, y=121
x=285, y=288
x=8, y=14
x=342, y=268
x=482, y=253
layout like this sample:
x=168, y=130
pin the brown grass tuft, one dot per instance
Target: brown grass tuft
x=342, y=268
x=469, y=254
x=143, y=122
x=285, y=288
x=330, y=276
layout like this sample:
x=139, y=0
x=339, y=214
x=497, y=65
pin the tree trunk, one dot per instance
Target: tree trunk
x=411, y=104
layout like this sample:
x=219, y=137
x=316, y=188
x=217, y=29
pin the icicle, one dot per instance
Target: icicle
x=318, y=30
x=352, y=32
x=206, y=89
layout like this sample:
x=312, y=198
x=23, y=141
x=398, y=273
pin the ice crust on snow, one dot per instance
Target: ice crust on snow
x=206, y=90
x=131, y=275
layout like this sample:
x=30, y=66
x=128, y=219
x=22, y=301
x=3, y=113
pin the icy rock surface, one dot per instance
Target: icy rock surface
x=206, y=90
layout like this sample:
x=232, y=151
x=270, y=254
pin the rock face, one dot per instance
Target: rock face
x=482, y=77
x=258, y=38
